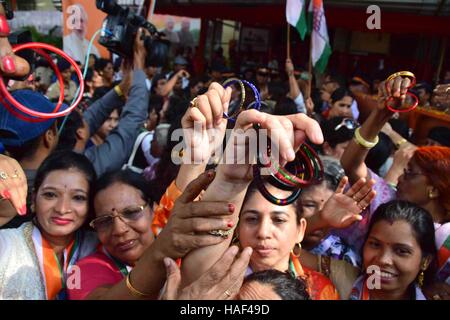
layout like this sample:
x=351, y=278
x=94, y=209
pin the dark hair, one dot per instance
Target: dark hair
x=127, y=177
x=196, y=80
x=155, y=80
x=65, y=160
x=285, y=107
x=253, y=188
x=166, y=170
x=340, y=93
x=441, y=135
x=421, y=223
x=26, y=150
x=101, y=63
x=68, y=137
x=284, y=284
x=334, y=137
x=337, y=78
x=378, y=155
x=89, y=75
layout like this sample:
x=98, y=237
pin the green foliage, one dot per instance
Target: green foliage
x=49, y=38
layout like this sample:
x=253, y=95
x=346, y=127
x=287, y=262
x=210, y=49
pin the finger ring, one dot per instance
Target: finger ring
x=221, y=233
x=193, y=103
x=15, y=175
x=3, y=175
x=362, y=207
x=436, y=297
x=354, y=198
x=227, y=293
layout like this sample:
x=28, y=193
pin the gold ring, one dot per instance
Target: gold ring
x=221, y=233
x=15, y=175
x=401, y=74
x=3, y=175
x=227, y=293
x=193, y=103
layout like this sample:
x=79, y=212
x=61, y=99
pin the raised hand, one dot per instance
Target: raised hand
x=287, y=132
x=190, y=221
x=397, y=88
x=13, y=189
x=203, y=124
x=343, y=209
x=11, y=66
x=221, y=282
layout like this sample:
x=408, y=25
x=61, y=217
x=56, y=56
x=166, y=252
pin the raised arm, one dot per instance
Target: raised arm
x=356, y=152
x=11, y=65
x=204, y=131
x=294, y=90
x=233, y=179
x=114, y=152
x=172, y=81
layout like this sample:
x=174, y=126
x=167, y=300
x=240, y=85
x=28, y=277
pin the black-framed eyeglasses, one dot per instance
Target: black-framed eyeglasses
x=349, y=123
x=127, y=215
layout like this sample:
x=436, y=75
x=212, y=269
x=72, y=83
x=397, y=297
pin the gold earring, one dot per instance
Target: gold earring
x=299, y=246
x=431, y=194
x=421, y=278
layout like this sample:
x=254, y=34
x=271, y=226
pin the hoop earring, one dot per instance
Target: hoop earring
x=299, y=246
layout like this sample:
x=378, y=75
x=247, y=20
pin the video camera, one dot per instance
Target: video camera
x=120, y=29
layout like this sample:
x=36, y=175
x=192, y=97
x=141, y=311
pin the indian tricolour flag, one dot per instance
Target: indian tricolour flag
x=320, y=43
x=296, y=16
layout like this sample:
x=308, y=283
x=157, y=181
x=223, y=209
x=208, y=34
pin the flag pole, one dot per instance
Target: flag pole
x=288, y=40
x=310, y=69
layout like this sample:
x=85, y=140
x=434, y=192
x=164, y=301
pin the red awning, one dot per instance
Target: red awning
x=350, y=19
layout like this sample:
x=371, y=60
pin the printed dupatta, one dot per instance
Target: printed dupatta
x=360, y=291
x=53, y=274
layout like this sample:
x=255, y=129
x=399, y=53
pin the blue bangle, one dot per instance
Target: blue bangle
x=257, y=101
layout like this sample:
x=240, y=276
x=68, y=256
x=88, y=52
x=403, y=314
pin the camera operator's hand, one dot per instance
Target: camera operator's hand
x=127, y=77
x=140, y=52
x=10, y=64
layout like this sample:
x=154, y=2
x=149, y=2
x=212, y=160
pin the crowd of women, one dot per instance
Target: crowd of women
x=123, y=221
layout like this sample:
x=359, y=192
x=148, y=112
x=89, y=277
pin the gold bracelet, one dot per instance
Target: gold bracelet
x=133, y=291
x=118, y=91
x=407, y=74
x=399, y=143
x=363, y=142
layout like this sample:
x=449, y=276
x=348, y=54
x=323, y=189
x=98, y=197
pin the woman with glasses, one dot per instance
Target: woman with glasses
x=37, y=259
x=129, y=262
x=425, y=181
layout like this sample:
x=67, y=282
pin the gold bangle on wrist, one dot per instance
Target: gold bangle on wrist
x=118, y=91
x=363, y=142
x=399, y=143
x=133, y=290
